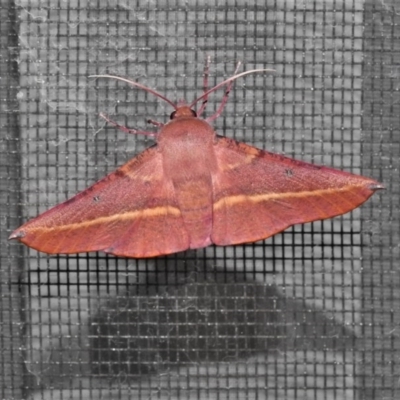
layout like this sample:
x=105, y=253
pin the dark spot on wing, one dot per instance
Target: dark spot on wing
x=289, y=172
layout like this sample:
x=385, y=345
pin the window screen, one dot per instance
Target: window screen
x=311, y=313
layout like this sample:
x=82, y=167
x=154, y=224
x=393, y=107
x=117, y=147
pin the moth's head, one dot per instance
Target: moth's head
x=183, y=111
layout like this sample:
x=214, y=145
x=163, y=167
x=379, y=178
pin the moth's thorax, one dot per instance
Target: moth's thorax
x=188, y=129
x=186, y=144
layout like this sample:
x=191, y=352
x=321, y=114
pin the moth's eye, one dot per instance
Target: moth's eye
x=194, y=113
x=172, y=116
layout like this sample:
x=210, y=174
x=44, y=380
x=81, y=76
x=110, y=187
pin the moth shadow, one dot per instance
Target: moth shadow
x=198, y=314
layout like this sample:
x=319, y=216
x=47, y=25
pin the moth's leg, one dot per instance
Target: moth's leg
x=126, y=129
x=156, y=123
x=225, y=98
x=205, y=85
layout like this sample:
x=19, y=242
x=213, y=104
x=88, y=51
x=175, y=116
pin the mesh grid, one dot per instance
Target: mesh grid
x=310, y=313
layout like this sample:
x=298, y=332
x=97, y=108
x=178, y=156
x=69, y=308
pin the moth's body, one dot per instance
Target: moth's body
x=186, y=145
x=192, y=189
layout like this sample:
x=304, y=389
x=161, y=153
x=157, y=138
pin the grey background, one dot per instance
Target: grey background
x=310, y=313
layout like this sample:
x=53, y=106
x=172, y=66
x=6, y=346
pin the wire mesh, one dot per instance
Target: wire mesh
x=311, y=313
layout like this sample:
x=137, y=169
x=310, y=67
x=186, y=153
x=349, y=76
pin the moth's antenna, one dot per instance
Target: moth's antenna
x=139, y=85
x=227, y=81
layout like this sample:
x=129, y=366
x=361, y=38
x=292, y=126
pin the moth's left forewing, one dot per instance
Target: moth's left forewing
x=132, y=212
x=258, y=194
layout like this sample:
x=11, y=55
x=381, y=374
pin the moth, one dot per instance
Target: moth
x=193, y=188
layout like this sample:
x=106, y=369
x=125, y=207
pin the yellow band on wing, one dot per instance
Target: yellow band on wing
x=241, y=198
x=126, y=216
